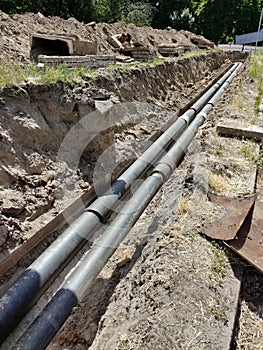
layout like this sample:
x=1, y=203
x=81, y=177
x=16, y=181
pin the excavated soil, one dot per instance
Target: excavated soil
x=167, y=286
x=16, y=30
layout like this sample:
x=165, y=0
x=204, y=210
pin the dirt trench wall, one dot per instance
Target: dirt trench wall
x=34, y=121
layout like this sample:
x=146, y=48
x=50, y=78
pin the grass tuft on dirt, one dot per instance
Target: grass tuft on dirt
x=14, y=74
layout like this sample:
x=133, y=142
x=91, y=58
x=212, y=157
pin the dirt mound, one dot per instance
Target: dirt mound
x=16, y=30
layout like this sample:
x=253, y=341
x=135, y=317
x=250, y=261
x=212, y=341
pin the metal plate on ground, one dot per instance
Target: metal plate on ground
x=236, y=210
x=249, y=241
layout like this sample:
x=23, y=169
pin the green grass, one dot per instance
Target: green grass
x=194, y=53
x=259, y=160
x=218, y=264
x=248, y=151
x=256, y=74
x=216, y=310
x=15, y=74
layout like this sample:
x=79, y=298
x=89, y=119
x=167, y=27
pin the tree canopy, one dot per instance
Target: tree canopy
x=218, y=20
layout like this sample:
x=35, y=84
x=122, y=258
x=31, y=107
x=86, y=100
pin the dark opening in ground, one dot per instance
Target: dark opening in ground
x=50, y=47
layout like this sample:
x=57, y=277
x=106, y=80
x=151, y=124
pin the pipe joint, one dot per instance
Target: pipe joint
x=164, y=169
x=188, y=116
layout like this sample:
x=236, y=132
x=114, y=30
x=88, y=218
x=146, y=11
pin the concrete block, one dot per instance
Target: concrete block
x=84, y=47
x=241, y=130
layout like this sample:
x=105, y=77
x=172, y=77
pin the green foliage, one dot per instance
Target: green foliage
x=247, y=151
x=109, y=11
x=216, y=309
x=83, y=10
x=182, y=20
x=218, y=265
x=259, y=160
x=221, y=20
x=256, y=73
x=10, y=73
x=196, y=53
x=218, y=20
x=215, y=19
x=139, y=13
x=167, y=12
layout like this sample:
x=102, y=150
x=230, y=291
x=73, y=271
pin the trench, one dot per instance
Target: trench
x=41, y=175
x=49, y=115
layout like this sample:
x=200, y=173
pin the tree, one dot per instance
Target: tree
x=165, y=11
x=221, y=20
x=109, y=11
x=215, y=19
x=184, y=20
x=80, y=9
x=139, y=13
x=248, y=16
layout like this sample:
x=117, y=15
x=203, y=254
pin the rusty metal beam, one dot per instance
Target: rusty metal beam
x=249, y=240
x=236, y=210
x=241, y=227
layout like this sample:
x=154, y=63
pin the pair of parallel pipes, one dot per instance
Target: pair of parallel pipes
x=17, y=300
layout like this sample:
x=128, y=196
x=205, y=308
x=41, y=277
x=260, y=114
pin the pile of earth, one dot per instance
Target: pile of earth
x=16, y=29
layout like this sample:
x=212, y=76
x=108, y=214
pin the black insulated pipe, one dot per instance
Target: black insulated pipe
x=42, y=330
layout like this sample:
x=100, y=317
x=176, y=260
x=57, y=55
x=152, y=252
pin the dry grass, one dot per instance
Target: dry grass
x=217, y=183
x=238, y=104
x=250, y=329
x=184, y=206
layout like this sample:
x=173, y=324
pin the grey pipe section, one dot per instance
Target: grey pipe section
x=107, y=201
x=52, y=317
x=28, y=286
x=166, y=165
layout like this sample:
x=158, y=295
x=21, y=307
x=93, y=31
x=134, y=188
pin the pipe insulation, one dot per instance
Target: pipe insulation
x=75, y=287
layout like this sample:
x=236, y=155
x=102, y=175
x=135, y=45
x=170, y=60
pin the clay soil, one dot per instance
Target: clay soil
x=167, y=286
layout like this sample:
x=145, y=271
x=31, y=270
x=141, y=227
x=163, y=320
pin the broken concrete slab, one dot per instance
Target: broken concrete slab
x=93, y=61
x=240, y=130
x=60, y=45
x=13, y=203
x=140, y=52
x=46, y=42
x=170, y=50
x=124, y=59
